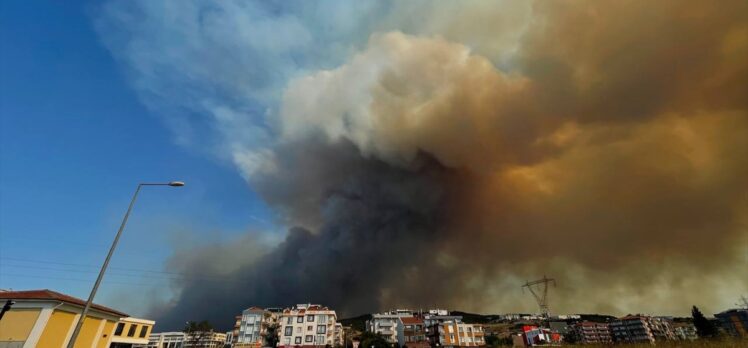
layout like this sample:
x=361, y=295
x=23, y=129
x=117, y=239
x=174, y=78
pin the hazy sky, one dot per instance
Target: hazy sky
x=374, y=154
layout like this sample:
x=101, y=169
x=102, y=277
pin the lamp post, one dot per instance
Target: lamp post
x=82, y=318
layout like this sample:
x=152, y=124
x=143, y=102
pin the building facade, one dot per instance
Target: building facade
x=205, y=340
x=131, y=332
x=685, y=332
x=167, y=340
x=307, y=325
x=734, y=322
x=641, y=329
x=456, y=334
x=386, y=324
x=45, y=318
x=411, y=333
x=592, y=333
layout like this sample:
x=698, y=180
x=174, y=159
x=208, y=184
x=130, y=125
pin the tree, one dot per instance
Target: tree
x=198, y=332
x=271, y=335
x=373, y=340
x=704, y=327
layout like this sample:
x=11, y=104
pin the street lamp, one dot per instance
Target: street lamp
x=82, y=318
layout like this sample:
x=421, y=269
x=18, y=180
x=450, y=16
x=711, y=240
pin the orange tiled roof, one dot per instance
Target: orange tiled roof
x=411, y=320
x=47, y=294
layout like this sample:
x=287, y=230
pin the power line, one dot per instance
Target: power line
x=156, y=274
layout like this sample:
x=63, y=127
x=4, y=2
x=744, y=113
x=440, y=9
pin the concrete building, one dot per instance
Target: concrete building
x=307, y=325
x=433, y=319
x=411, y=333
x=734, y=321
x=45, y=318
x=205, y=340
x=456, y=334
x=131, y=332
x=253, y=325
x=339, y=335
x=641, y=329
x=592, y=333
x=167, y=340
x=685, y=332
x=386, y=324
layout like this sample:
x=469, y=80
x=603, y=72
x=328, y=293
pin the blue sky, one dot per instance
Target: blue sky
x=75, y=141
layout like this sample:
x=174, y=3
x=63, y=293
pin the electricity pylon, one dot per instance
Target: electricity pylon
x=539, y=290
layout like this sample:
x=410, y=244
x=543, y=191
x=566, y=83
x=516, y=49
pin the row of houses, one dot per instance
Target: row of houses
x=433, y=328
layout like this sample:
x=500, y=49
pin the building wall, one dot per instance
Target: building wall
x=293, y=331
x=58, y=329
x=105, y=340
x=138, y=336
x=17, y=324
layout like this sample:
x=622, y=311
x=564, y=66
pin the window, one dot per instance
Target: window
x=289, y=320
x=298, y=329
x=320, y=340
x=310, y=318
x=287, y=341
x=321, y=329
x=120, y=328
x=143, y=331
x=300, y=319
x=310, y=328
x=308, y=338
x=297, y=340
x=131, y=332
x=288, y=331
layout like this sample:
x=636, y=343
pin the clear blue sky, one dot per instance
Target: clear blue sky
x=74, y=142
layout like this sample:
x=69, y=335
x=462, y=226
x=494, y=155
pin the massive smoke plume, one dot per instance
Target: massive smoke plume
x=429, y=154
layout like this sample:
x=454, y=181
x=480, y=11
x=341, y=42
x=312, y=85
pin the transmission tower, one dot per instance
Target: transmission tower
x=539, y=290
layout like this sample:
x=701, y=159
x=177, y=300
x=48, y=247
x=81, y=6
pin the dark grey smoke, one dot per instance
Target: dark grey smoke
x=381, y=223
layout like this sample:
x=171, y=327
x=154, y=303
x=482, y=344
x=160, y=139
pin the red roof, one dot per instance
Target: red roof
x=411, y=320
x=47, y=294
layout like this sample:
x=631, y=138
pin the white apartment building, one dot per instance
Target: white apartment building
x=386, y=324
x=307, y=325
x=205, y=340
x=183, y=340
x=253, y=326
x=167, y=340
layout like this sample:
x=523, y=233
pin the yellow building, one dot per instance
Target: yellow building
x=46, y=319
x=131, y=332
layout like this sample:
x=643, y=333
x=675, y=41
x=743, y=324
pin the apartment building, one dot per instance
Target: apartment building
x=253, y=327
x=205, y=340
x=131, y=332
x=685, y=332
x=307, y=325
x=641, y=329
x=411, y=333
x=386, y=324
x=339, y=335
x=592, y=333
x=456, y=334
x=167, y=340
x=734, y=321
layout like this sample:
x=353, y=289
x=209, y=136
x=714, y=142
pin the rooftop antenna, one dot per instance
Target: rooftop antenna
x=539, y=290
